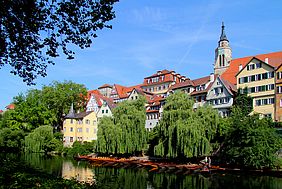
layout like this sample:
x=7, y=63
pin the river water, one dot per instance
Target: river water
x=117, y=178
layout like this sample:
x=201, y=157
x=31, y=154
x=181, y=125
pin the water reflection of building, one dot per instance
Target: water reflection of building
x=80, y=173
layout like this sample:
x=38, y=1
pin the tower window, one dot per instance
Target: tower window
x=220, y=63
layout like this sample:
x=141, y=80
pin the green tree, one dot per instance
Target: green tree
x=244, y=102
x=125, y=134
x=44, y=107
x=58, y=97
x=30, y=111
x=41, y=140
x=79, y=148
x=108, y=136
x=32, y=33
x=11, y=140
x=184, y=132
x=251, y=141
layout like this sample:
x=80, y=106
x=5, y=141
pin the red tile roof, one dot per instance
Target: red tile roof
x=10, y=107
x=201, y=81
x=123, y=91
x=163, y=72
x=186, y=83
x=1, y=111
x=274, y=59
x=230, y=87
x=105, y=86
x=91, y=92
x=100, y=98
x=167, y=76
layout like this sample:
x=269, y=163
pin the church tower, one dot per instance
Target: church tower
x=223, y=53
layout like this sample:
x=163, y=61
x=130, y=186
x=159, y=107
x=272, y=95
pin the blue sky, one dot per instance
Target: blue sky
x=152, y=35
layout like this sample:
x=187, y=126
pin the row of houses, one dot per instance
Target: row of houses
x=259, y=76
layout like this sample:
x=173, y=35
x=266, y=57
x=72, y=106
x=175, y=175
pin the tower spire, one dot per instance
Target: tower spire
x=223, y=35
x=71, y=112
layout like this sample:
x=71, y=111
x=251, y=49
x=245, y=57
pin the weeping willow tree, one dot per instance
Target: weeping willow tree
x=125, y=133
x=40, y=140
x=184, y=132
x=108, y=136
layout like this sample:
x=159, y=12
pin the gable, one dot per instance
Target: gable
x=254, y=66
x=219, y=89
x=274, y=59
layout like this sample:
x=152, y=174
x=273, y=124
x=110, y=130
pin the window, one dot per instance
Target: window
x=270, y=74
x=258, y=65
x=245, y=80
x=94, y=122
x=95, y=130
x=102, y=111
x=71, y=129
x=65, y=129
x=107, y=111
x=279, y=75
x=79, y=130
x=71, y=139
x=258, y=102
x=253, y=78
x=87, y=130
x=280, y=102
x=264, y=76
x=71, y=121
x=279, y=89
x=266, y=101
x=87, y=121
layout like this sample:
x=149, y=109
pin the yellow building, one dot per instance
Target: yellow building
x=278, y=96
x=79, y=127
x=257, y=80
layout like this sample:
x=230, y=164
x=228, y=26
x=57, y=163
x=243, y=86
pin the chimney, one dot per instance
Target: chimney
x=266, y=60
x=240, y=67
x=212, y=77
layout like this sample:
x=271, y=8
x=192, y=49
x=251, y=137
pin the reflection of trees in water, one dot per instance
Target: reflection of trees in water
x=49, y=164
x=245, y=181
x=114, y=178
x=179, y=181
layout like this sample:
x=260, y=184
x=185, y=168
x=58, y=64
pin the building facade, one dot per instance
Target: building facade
x=80, y=127
x=257, y=80
x=106, y=109
x=220, y=96
x=278, y=94
x=154, y=110
x=160, y=82
x=105, y=90
x=201, y=88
